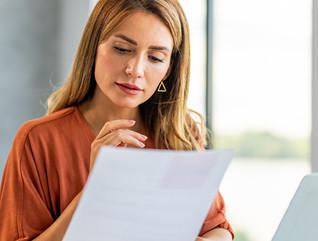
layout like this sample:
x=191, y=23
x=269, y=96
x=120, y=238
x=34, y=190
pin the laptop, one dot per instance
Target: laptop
x=300, y=222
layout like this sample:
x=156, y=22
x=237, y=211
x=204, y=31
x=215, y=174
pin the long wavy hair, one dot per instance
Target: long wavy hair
x=170, y=123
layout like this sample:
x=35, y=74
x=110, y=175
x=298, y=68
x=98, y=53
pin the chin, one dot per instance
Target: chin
x=128, y=105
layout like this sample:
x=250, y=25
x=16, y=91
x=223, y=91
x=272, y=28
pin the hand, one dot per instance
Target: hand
x=216, y=234
x=116, y=133
x=201, y=239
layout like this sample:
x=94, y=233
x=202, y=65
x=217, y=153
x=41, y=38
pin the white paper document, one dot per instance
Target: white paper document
x=148, y=195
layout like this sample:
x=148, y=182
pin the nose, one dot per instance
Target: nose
x=135, y=67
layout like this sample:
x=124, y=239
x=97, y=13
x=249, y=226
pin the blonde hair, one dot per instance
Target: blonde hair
x=169, y=121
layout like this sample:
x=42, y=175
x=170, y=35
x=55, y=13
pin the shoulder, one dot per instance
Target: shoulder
x=47, y=122
x=45, y=125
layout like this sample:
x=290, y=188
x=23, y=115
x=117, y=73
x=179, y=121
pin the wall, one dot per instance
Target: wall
x=38, y=39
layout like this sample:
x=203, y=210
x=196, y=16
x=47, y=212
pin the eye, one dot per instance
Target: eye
x=122, y=50
x=155, y=60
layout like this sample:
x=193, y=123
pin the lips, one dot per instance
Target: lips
x=129, y=88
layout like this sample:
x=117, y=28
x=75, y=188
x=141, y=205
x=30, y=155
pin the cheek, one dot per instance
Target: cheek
x=155, y=77
x=162, y=73
x=106, y=65
x=159, y=73
x=102, y=66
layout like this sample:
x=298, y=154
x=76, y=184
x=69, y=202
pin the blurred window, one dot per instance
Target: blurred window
x=196, y=15
x=261, y=107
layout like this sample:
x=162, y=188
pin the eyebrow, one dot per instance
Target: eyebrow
x=135, y=43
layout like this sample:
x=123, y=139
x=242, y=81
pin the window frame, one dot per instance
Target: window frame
x=314, y=106
x=209, y=70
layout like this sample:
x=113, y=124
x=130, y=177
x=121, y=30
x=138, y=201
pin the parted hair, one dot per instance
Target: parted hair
x=170, y=123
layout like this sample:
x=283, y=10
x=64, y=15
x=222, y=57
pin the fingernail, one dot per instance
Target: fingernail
x=132, y=121
x=141, y=144
x=143, y=137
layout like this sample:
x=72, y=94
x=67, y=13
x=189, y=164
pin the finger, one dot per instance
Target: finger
x=119, y=138
x=124, y=133
x=135, y=134
x=122, y=136
x=122, y=144
x=111, y=126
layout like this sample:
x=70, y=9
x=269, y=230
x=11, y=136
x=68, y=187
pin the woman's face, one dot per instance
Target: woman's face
x=131, y=63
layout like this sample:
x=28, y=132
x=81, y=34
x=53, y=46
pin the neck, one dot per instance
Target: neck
x=97, y=113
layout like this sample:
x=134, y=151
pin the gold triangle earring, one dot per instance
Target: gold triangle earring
x=162, y=87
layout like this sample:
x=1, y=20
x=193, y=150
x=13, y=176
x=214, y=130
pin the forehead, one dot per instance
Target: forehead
x=145, y=28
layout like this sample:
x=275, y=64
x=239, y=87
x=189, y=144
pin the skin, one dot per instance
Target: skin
x=138, y=53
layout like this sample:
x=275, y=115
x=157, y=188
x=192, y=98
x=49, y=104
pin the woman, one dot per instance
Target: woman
x=128, y=50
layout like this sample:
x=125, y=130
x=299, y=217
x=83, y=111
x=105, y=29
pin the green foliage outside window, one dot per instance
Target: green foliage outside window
x=264, y=145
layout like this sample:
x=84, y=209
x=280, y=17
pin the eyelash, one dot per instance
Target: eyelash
x=155, y=60
x=121, y=50
x=127, y=51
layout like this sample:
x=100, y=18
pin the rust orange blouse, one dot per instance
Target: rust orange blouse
x=47, y=167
